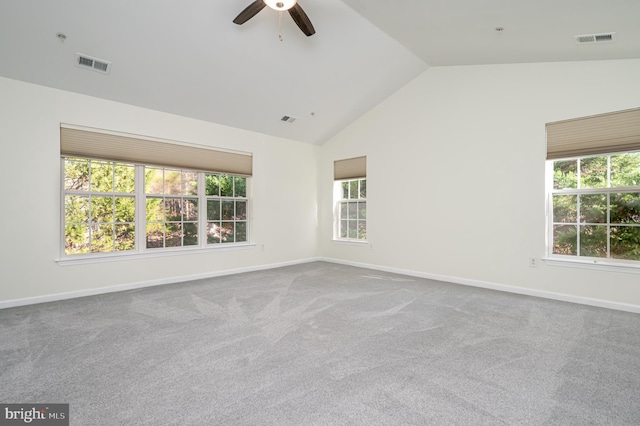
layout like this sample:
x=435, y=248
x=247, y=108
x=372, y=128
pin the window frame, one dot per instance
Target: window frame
x=607, y=263
x=140, y=223
x=338, y=201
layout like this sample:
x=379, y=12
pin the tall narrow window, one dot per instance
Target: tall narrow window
x=350, y=196
x=226, y=208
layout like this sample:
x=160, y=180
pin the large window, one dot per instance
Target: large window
x=595, y=207
x=106, y=209
x=352, y=209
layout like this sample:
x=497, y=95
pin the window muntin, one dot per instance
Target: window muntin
x=100, y=199
x=595, y=207
x=351, y=208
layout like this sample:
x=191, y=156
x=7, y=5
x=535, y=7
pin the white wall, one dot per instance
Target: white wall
x=456, y=164
x=284, y=188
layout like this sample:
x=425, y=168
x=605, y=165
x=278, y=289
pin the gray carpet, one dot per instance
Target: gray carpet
x=323, y=344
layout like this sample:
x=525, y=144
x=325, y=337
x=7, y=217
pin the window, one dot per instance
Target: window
x=352, y=209
x=593, y=186
x=350, y=199
x=100, y=215
x=595, y=207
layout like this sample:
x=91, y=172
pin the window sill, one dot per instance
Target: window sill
x=597, y=264
x=351, y=242
x=150, y=254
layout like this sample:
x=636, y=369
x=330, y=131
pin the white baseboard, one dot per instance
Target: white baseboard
x=132, y=286
x=493, y=286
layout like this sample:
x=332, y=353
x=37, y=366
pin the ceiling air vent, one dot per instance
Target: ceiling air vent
x=595, y=38
x=288, y=119
x=95, y=64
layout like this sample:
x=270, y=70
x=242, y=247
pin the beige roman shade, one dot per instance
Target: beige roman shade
x=134, y=149
x=597, y=134
x=351, y=168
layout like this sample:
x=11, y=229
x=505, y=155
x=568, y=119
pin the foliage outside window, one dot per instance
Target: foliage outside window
x=351, y=209
x=595, y=207
x=100, y=199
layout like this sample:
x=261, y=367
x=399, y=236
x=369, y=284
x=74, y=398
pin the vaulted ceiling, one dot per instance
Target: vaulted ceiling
x=188, y=58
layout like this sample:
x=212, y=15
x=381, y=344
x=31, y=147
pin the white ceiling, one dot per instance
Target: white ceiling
x=186, y=57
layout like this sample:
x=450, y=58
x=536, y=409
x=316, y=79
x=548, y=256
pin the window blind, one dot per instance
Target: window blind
x=351, y=168
x=612, y=132
x=134, y=149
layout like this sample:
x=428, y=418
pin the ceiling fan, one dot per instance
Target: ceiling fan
x=295, y=10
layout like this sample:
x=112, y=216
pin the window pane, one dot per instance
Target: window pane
x=241, y=210
x=363, y=188
x=124, y=178
x=227, y=210
x=125, y=237
x=344, y=227
x=172, y=182
x=212, y=184
x=173, y=209
x=362, y=229
x=102, y=238
x=240, y=186
x=593, y=172
x=353, y=189
x=565, y=174
x=125, y=209
x=625, y=208
x=173, y=237
x=102, y=209
x=593, y=241
x=593, y=208
x=191, y=234
x=155, y=235
x=345, y=190
x=565, y=208
x=353, y=210
x=343, y=210
x=190, y=209
x=227, y=232
x=76, y=209
x=213, y=210
x=155, y=210
x=213, y=233
x=189, y=183
x=101, y=177
x=76, y=239
x=76, y=175
x=353, y=229
x=625, y=169
x=226, y=186
x=153, y=182
x=241, y=231
x=625, y=242
x=362, y=210
x=565, y=239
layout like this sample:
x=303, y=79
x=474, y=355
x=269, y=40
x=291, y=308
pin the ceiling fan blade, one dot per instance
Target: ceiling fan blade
x=302, y=20
x=249, y=12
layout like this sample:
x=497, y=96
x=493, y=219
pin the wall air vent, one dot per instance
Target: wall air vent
x=95, y=64
x=595, y=38
x=288, y=119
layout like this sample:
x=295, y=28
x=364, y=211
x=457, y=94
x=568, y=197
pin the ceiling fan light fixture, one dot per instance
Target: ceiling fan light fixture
x=280, y=4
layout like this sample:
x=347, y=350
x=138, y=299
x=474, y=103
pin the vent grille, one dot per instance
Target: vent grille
x=95, y=64
x=595, y=38
x=288, y=119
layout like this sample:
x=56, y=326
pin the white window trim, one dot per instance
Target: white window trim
x=581, y=262
x=141, y=251
x=337, y=197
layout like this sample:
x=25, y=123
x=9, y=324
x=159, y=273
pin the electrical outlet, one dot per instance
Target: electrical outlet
x=533, y=262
